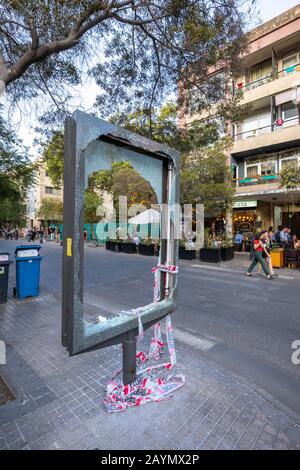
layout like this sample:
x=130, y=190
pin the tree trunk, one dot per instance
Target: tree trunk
x=229, y=225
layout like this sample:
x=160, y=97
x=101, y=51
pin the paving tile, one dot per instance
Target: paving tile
x=61, y=405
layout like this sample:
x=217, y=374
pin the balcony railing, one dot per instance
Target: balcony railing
x=253, y=133
x=258, y=179
x=268, y=78
x=279, y=124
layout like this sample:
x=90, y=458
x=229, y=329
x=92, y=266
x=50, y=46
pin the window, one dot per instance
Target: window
x=252, y=171
x=259, y=74
x=264, y=168
x=268, y=168
x=49, y=190
x=289, y=111
x=289, y=62
x=258, y=123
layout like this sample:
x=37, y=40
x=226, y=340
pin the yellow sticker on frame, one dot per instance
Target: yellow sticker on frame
x=69, y=246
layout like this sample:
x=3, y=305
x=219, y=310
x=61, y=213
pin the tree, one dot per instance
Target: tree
x=92, y=201
x=146, y=48
x=123, y=180
x=206, y=179
x=12, y=207
x=160, y=125
x=14, y=159
x=53, y=156
x=205, y=175
x=50, y=209
x=290, y=176
x=16, y=175
x=120, y=180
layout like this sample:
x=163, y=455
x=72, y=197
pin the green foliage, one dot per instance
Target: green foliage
x=53, y=156
x=104, y=179
x=206, y=179
x=120, y=180
x=12, y=207
x=160, y=125
x=16, y=175
x=50, y=209
x=290, y=176
x=91, y=202
x=14, y=161
x=227, y=241
x=123, y=180
x=147, y=48
x=147, y=241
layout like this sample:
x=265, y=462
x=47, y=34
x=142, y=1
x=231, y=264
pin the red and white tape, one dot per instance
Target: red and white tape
x=155, y=382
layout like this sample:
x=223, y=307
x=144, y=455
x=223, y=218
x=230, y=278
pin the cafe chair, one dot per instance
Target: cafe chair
x=291, y=258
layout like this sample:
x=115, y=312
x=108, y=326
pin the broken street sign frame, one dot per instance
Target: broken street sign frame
x=92, y=144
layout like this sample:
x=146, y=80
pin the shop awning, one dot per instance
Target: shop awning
x=149, y=216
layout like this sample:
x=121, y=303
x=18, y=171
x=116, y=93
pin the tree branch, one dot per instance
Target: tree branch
x=34, y=35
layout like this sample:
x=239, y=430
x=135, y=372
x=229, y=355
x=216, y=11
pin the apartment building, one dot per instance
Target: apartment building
x=43, y=188
x=269, y=138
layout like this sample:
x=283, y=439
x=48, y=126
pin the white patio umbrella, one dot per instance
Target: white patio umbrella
x=150, y=216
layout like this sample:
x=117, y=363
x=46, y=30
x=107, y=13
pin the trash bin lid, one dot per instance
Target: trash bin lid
x=5, y=258
x=27, y=250
x=27, y=258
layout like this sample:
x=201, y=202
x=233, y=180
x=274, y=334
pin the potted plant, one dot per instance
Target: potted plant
x=211, y=252
x=128, y=246
x=186, y=250
x=227, y=249
x=115, y=245
x=146, y=247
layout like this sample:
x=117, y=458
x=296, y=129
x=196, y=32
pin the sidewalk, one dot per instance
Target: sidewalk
x=58, y=401
x=241, y=261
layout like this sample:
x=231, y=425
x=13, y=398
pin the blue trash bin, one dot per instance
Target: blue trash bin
x=28, y=263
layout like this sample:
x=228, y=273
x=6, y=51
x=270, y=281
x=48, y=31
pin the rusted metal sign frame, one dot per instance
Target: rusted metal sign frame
x=82, y=133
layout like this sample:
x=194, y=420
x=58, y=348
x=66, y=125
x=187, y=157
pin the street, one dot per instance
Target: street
x=244, y=327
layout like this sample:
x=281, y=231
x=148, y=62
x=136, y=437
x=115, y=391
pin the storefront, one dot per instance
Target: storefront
x=245, y=218
x=289, y=214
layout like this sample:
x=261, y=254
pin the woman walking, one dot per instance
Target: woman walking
x=258, y=248
x=266, y=244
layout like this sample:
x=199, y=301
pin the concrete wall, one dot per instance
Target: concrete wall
x=284, y=135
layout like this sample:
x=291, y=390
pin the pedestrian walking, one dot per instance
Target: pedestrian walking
x=84, y=234
x=266, y=244
x=257, y=256
x=136, y=240
x=57, y=234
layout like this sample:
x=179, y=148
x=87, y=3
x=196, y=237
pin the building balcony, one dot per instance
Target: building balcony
x=257, y=184
x=270, y=85
x=267, y=138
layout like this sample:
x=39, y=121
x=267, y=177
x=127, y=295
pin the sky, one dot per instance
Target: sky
x=271, y=8
x=85, y=94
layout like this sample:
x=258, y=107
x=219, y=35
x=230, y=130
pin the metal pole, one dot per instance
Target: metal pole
x=169, y=248
x=129, y=359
